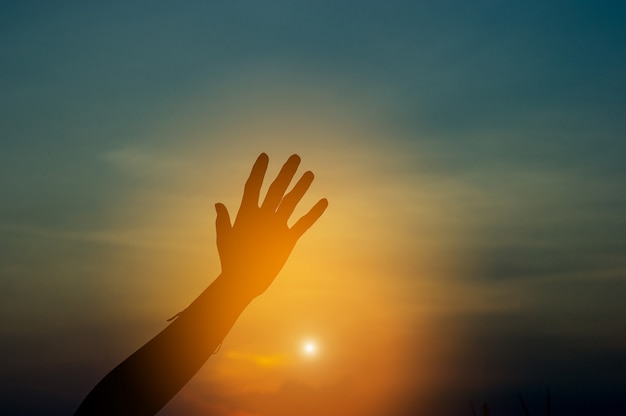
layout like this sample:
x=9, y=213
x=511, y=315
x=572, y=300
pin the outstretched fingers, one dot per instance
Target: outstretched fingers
x=309, y=218
x=289, y=202
x=279, y=186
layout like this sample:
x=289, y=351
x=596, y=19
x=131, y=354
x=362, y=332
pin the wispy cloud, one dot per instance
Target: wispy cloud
x=143, y=162
x=261, y=360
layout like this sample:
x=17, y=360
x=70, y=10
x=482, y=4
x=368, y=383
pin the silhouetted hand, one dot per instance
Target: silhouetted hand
x=254, y=249
x=252, y=252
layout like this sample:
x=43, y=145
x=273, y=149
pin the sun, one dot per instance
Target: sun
x=309, y=348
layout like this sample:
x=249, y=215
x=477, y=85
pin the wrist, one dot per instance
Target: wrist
x=236, y=288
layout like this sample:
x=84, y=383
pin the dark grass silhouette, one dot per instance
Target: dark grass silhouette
x=252, y=250
x=521, y=400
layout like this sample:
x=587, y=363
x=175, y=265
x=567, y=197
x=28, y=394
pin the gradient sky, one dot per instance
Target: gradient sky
x=473, y=154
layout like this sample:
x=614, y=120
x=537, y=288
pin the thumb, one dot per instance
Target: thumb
x=222, y=222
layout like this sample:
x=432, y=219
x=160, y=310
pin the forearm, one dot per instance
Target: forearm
x=149, y=378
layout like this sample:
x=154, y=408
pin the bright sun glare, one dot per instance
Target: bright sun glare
x=309, y=348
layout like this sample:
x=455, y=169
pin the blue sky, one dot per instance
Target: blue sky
x=508, y=116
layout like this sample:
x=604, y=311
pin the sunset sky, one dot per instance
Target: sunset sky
x=473, y=155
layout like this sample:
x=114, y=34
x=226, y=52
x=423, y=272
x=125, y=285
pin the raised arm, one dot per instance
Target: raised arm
x=252, y=251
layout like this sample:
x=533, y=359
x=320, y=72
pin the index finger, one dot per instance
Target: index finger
x=253, y=185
